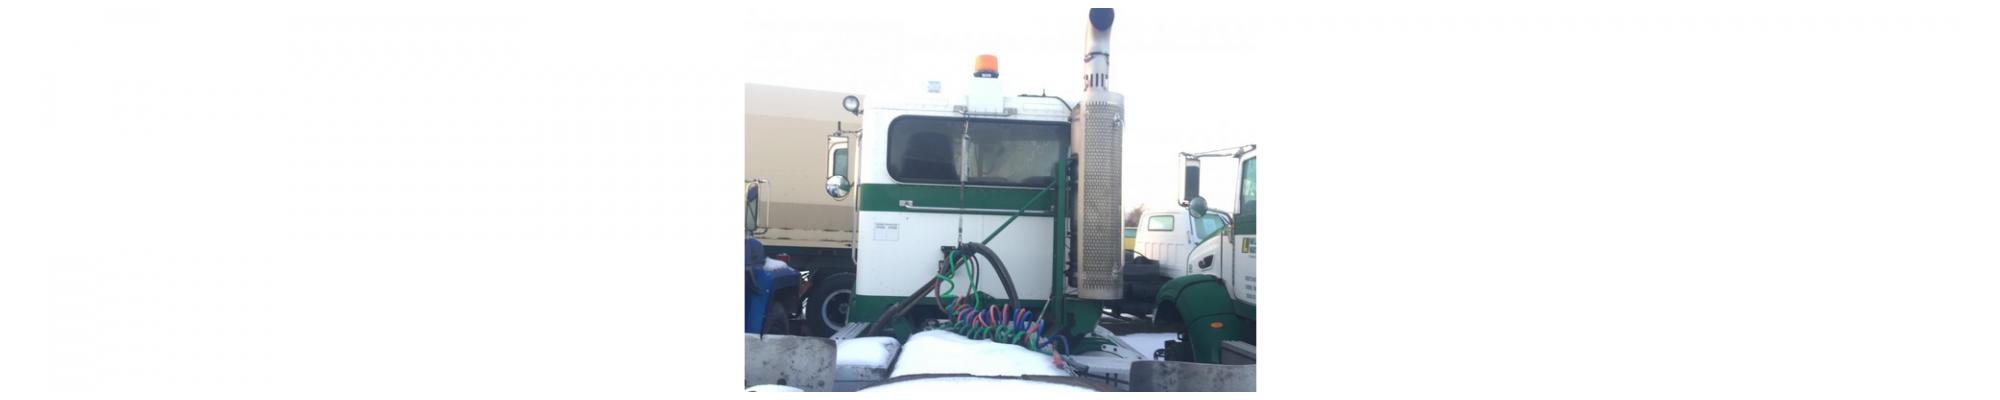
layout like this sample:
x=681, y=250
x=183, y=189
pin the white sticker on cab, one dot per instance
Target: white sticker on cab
x=886, y=232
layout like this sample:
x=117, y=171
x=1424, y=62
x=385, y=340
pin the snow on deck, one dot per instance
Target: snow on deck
x=943, y=352
x=974, y=385
x=874, y=351
x=773, y=388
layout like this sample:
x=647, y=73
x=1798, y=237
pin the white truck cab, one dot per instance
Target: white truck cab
x=1168, y=236
x=934, y=170
x=1232, y=255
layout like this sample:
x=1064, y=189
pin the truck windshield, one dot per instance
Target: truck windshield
x=999, y=153
x=1209, y=225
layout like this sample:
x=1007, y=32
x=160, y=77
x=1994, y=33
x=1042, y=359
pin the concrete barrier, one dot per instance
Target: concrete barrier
x=1177, y=376
x=797, y=361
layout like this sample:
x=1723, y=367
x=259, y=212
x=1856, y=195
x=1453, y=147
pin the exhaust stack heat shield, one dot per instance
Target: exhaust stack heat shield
x=1097, y=136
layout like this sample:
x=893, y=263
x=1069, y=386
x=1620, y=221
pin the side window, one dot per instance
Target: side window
x=1246, y=219
x=837, y=162
x=1160, y=223
x=924, y=150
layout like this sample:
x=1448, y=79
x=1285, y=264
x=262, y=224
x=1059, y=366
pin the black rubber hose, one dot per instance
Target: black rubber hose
x=1006, y=281
x=897, y=310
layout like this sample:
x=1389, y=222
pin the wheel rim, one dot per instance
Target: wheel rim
x=834, y=312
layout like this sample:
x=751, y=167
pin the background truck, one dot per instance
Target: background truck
x=784, y=130
x=1159, y=252
x=1215, y=310
x=1167, y=236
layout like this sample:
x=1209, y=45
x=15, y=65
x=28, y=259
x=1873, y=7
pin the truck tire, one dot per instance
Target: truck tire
x=826, y=306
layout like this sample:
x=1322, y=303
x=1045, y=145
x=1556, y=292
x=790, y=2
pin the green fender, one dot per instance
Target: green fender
x=1199, y=308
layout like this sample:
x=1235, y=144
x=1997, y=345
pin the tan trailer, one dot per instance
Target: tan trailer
x=785, y=146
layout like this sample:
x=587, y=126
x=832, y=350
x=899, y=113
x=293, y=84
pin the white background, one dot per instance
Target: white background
x=501, y=200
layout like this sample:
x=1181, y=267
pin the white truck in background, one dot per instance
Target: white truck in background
x=1167, y=236
x=1161, y=244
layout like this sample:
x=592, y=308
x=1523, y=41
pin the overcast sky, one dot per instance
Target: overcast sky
x=1182, y=71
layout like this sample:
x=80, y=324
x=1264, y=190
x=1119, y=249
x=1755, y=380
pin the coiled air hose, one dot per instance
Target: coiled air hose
x=969, y=248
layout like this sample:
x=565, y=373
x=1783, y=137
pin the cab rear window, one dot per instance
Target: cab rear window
x=986, y=152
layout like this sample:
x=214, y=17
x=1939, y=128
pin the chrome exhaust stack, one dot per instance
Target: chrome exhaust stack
x=1097, y=136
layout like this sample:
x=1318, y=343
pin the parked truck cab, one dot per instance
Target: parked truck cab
x=932, y=170
x=1215, y=310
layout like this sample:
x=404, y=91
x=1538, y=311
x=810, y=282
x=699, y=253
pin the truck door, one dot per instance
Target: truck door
x=1243, y=252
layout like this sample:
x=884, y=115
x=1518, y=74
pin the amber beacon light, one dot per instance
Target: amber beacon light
x=987, y=66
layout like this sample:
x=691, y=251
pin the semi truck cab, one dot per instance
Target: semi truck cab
x=933, y=170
